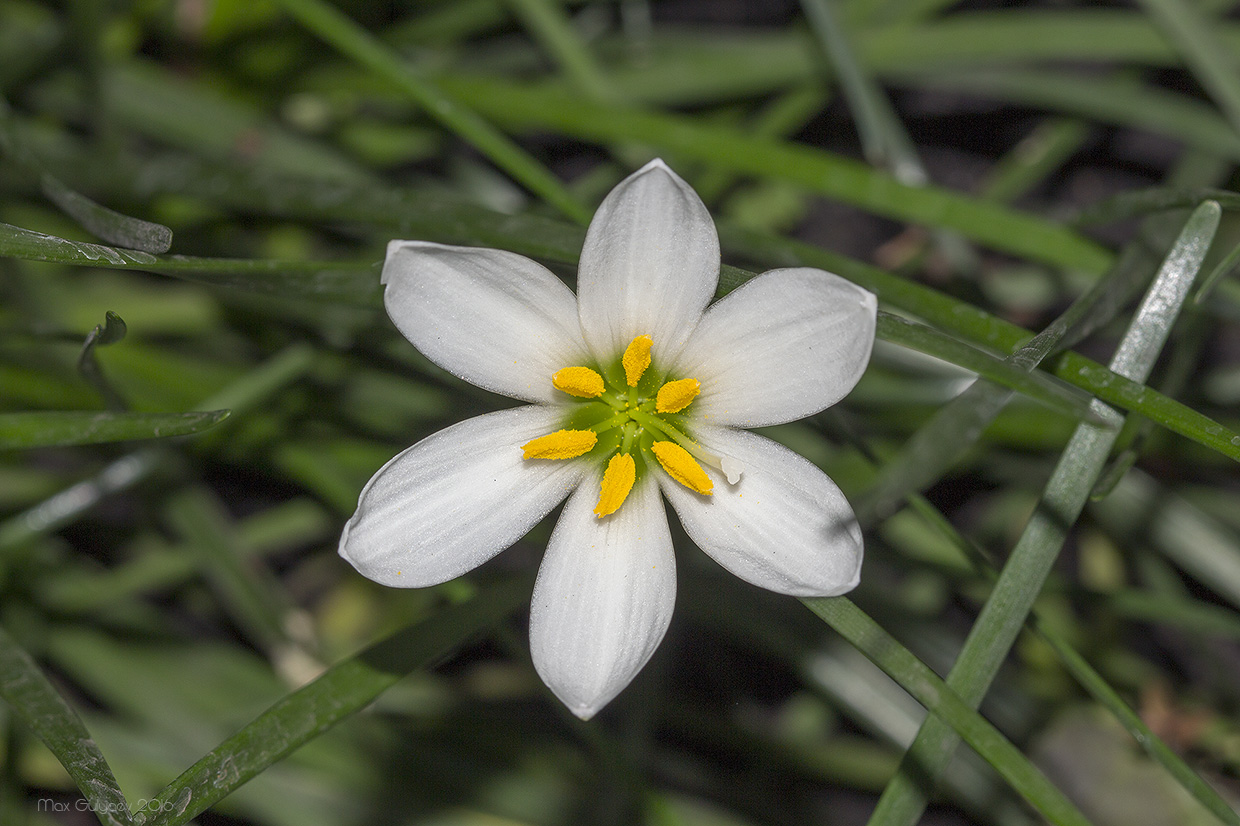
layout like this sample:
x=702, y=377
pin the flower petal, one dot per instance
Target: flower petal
x=494, y=318
x=649, y=266
x=784, y=526
x=780, y=347
x=603, y=598
x=455, y=499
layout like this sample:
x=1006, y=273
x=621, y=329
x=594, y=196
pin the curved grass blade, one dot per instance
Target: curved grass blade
x=1063, y=499
x=108, y=224
x=915, y=677
x=342, y=690
x=37, y=704
x=1048, y=390
x=111, y=331
x=73, y=427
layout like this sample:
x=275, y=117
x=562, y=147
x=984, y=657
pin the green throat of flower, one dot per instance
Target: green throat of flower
x=628, y=419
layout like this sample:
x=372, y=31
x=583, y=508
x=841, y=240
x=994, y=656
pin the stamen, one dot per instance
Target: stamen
x=563, y=444
x=617, y=482
x=675, y=396
x=578, y=381
x=682, y=467
x=636, y=359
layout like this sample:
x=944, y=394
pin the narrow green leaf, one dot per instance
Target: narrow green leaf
x=344, y=689
x=37, y=704
x=817, y=171
x=354, y=282
x=1044, y=388
x=915, y=677
x=104, y=223
x=83, y=427
x=1063, y=498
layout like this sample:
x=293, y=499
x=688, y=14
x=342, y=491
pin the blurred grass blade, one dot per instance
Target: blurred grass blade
x=1199, y=47
x=343, y=690
x=1063, y=498
x=111, y=331
x=915, y=677
x=1048, y=390
x=1153, y=745
x=1181, y=613
x=1156, y=199
x=354, y=282
x=1118, y=100
x=817, y=171
x=37, y=704
x=883, y=139
x=108, y=224
x=102, y=222
x=352, y=40
x=1221, y=270
x=60, y=428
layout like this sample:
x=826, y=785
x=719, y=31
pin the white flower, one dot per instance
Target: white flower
x=638, y=390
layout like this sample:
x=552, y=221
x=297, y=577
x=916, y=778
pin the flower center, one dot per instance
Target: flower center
x=629, y=417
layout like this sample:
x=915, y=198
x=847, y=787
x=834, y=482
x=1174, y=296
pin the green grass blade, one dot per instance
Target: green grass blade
x=108, y=224
x=1119, y=100
x=817, y=171
x=344, y=689
x=1153, y=745
x=1048, y=390
x=38, y=705
x=548, y=23
x=58, y=428
x=915, y=677
x=354, y=41
x=354, y=282
x=1201, y=50
x=883, y=138
x=1065, y=495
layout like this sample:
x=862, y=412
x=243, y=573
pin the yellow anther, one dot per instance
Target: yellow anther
x=675, y=395
x=578, y=381
x=636, y=359
x=617, y=482
x=682, y=467
x=563, y=444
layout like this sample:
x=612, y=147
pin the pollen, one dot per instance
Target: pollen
x=636, y=359
x=617, y=482
x=578, y=381
x=682, y=467
x=675, y=396
x=563, y=444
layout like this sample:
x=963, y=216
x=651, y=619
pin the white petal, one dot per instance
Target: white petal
x=780, y=347
x=784, y=526
x=456, y=498
x=603, y=598
x=649, y=266
x=494, y=318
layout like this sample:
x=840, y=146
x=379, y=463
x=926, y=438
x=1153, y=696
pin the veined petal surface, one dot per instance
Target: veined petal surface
x=649, y=266
x=780, y=347
x=494, y=318
x=784, y=526
x=603, y=598
x=456, y=499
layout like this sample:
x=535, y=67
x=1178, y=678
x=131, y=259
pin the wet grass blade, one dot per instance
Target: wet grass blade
x=915, y=677
x=343, y=690
x=20, y=431
x=38, y=705
x=1063, y=498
